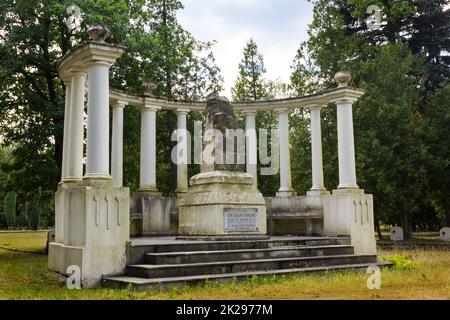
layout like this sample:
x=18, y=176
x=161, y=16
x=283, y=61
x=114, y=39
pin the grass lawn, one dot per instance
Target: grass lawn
x=24, y=275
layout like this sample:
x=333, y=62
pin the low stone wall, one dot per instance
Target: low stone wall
x=412, y=245
x=301, y=216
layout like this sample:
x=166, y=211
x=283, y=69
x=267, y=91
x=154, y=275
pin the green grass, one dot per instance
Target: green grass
x=24, y=275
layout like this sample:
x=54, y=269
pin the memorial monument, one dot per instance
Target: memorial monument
x=221, y=201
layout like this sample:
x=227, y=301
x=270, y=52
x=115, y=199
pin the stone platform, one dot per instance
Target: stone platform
x=162, y=263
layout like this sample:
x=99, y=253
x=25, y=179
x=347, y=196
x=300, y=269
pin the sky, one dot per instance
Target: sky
x=277, y=26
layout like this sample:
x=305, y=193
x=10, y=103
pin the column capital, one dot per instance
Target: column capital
x=181, y=112
x=249, y=112
x=283, y=111
x=94, y=62
x=316, y=107
x=344, y=100
x=119, y=104
x=72, y=72
x=149, y=107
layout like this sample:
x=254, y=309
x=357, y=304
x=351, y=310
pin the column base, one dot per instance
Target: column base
x=92, y=227
x=348, y=186
x=97, y=180
x=72, y=180
x=317, y=192
x=348, y=190
x=286, y=193
x=149, y=192
x=155, y=211
x=181, y=192
x=350, y=212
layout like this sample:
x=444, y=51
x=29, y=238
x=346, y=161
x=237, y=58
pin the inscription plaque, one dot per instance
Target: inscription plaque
x=241, y=219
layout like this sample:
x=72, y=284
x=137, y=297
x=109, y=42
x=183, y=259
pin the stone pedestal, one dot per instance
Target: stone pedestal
x=224, y=204
x=300, y=216
x=92, y=229
x=155, y=212
x=349, y=212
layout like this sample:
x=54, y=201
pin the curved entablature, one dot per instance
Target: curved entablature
x=320, y=99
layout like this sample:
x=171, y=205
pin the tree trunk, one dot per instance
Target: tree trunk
x=406, y=225
x=378, y=228
x=448, y=218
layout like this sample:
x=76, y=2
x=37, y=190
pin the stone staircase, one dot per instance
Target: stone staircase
x=159, y=263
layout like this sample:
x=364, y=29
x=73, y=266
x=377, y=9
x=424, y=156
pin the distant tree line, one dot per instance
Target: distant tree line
x=401, y=123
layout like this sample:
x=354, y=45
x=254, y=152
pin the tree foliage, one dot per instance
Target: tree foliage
x=404, y=66
x=33, y=211
x=10, y=209
x=250, y=83
x=34, y=37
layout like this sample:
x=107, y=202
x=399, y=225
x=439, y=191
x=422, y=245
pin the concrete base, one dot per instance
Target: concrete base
x=286, y=193
x=350, y=212
x=295, y=216
x=202, y=208
x=224, y=238
x=155, y=212
x=92, y=228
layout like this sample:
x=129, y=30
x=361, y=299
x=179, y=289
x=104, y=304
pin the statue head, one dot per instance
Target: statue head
x=219, y=114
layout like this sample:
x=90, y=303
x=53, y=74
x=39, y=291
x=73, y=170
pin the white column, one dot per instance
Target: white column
x=148, y=149
x=285, y=159
x=318, y=186
x=251, y=144
x=97, y=155
x=76, y=132
x=65, y=154
x=346, y=145
x=117, y=143
x=182, y=150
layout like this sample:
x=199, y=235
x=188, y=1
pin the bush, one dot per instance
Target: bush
x=22, y=220
x=10, y=209
x=3, y=224
x=33, y=212
x=402, y=262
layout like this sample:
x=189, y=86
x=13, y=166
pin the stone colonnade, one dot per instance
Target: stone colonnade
x=93, y=208
x=343, y=97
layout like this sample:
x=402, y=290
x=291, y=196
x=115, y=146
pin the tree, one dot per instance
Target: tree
x=305, y=74
x=401, y=65
x=252, y=86
x=250, y=83
x=436, y=120
x=390, y=151
x=34, y=37
x=10, y=209
x=33, y=212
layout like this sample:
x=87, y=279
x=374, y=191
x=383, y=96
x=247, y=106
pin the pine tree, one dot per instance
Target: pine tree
x=250, y=83
x=10, y=209
x=33, y=212
x=401, y=64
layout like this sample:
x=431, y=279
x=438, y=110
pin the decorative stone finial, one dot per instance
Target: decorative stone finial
x=342, y=78
x=98, y=33
x=149, y=88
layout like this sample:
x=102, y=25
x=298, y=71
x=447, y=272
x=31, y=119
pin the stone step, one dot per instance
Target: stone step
x=223, y=267
x=138, y=248
x=142, y=284
x=248, y=254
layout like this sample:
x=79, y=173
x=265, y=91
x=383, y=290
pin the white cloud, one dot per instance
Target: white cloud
x=277, y=26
